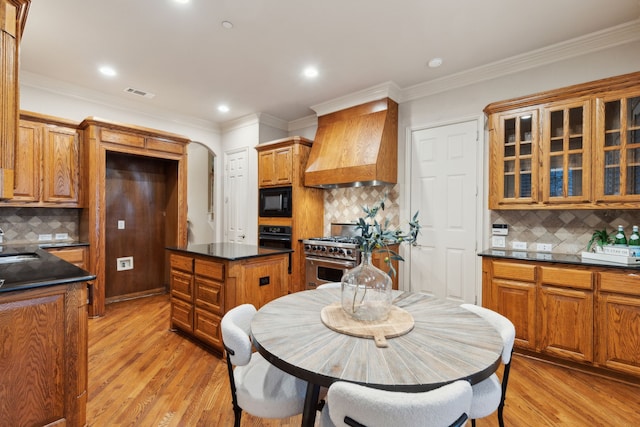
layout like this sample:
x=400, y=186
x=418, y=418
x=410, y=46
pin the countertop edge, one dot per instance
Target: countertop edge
x=547, y=257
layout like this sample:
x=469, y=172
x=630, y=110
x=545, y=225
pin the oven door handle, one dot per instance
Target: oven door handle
x=347, y=264
x=272, y=237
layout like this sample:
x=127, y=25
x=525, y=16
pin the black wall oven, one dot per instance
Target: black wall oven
x=275, y=202
x=275, y=236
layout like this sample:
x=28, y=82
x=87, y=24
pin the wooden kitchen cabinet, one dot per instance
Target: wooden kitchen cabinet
x=618, y=322
x=47, y=163
x=511, y=291
x=13, y=17
x=44, y=356
x=514, y=154
x=617, y=173
x=566, y=313
x=75, y=255
x=584, y=140
x=282, y=162
x=275, y=167
x=204, y=288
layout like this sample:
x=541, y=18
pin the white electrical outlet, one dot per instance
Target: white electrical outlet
x=121, y=224
x=543, y=247
x=498, y=241
x=62, y=236
x=45, y=237
x=124, y=263
x=519, y=245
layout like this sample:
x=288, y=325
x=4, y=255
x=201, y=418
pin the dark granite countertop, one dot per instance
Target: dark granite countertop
x=229, y=251
x=552, y=257
x=44, y=269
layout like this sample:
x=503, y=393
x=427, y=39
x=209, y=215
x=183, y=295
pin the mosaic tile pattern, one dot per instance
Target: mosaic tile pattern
x=23, y=225
x=345, y=204
x=569, y=231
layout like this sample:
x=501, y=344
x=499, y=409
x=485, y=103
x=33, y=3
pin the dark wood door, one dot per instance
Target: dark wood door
x=136, y=210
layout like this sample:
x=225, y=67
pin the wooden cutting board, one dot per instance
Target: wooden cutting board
x=398, y=323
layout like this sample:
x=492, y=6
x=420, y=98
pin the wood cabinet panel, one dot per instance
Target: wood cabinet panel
x=179, y=262
x=44, y=356
x=211, y=269
x=27, y=181
x=517, y=302
x=566, y=323
x=275, y=167
x=123, y=138
x=76, y=256
x=181, y=314
x=210, y=295
x=624, y=283
x=513, y=270
x=182, y=285
x=206, y=327
x=61, y=163
x=566, y=277
x=619, y=333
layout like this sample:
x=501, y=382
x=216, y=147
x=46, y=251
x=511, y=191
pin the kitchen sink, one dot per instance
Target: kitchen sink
x=14, y=258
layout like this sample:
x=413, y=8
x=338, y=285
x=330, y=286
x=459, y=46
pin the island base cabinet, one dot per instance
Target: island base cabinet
x=44, y=356
x=181, y=315
x=206, y=327
x=619, y=322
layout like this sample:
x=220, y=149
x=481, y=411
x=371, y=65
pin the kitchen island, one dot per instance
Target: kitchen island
x=582, y=313
x=43, y=325
x=207, y=280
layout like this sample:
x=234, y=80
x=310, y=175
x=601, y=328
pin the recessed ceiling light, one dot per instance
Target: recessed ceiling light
x=310, y=72
x=223, y=108
x=227, y=24
x=182, y=1
x=108, y=71
x=435, y=63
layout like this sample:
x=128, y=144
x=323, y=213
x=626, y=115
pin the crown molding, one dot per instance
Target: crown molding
x=303, y=123
x=600, y=40
x=383, y=90
x=68, y=90
x=274, y=122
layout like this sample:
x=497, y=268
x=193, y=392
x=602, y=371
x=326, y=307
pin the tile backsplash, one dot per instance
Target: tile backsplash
x=23, y=225
x=345, y=204
x=569, y=231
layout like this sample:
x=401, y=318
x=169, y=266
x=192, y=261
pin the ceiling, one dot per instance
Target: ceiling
x=183, y=54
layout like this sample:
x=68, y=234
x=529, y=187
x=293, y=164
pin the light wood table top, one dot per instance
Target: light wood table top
x=447, y=343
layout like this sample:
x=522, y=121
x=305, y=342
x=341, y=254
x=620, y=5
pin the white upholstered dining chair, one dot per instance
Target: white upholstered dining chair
x=257, y=386
x=489, y=395
x=354, y=405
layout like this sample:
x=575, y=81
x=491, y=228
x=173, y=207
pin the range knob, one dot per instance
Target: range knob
x=322, y=249
x=332, y=250
x=349, y=252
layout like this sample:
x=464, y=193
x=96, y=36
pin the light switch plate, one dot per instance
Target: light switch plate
x=519, y=245
x=45, y=237
x=543, y=247
x=62, y=236
x=120, y=224
x=498, y=242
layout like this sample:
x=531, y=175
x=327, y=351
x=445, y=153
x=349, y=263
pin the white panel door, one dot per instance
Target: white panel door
x=236, y=191
x=444, y=190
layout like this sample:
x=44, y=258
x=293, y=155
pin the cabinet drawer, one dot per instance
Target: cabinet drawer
x=209, y=295
x=566, y=277
x=625, y=283
x=122, y=138
x=516, y=271
x=181, y=315
x=75, y=256
x=182, y=285
x=183, y=263
x=206, y=326
x=210, y=269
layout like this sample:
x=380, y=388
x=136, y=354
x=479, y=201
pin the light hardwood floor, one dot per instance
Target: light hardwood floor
x=142, y=374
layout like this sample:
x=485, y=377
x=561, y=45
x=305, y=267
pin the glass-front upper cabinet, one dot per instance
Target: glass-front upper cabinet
x=617, y=160
x=514, y=152
x=566, y=155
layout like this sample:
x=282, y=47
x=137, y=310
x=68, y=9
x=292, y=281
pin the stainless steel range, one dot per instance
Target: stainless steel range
x=328, y=258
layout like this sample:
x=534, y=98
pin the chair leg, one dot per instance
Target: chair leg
x=237, y=411
x=505, y=380
x=473, y=423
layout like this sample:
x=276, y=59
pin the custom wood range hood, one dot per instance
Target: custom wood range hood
x=355, y=146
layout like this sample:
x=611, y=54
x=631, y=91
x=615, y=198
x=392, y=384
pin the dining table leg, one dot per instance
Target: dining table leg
x=310, y=405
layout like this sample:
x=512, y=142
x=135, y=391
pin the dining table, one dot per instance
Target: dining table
x=446, y=343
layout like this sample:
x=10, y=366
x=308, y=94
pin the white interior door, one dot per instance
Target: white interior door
x=236, y=191
x=444, y=190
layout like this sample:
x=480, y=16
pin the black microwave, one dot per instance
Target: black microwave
x=275, y=202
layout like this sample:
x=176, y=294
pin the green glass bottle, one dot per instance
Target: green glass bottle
x=620, y=239
x=634, y=239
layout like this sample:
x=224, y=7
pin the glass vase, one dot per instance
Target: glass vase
x=366, y=291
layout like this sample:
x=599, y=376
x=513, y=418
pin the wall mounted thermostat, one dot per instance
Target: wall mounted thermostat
x=500, y=229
